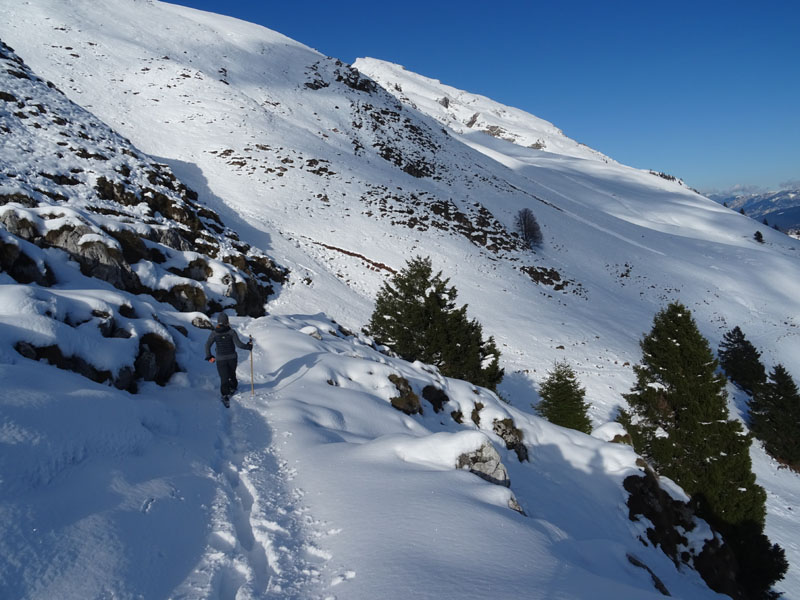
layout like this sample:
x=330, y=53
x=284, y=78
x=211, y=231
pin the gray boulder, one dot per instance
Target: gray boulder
x=485, y=463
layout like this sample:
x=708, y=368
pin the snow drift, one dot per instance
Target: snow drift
x=316, y=487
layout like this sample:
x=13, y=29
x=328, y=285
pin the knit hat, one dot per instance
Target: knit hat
x=222, y=319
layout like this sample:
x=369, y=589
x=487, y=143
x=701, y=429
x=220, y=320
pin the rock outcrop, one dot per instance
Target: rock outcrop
x=512, y=436
x=670, y=520
x=485, y=462
x=407, y=401
x=436, y=397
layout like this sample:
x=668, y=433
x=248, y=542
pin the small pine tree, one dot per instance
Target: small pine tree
x=775, y=417
x=679, y=421
x=563, y=399
x=528, y=227
x=416, y=316
x=407, y=307
x=740, y=361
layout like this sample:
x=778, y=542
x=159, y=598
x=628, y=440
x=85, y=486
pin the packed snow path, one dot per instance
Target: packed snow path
x=261, y=544
x=164, y=494
x=257, y=547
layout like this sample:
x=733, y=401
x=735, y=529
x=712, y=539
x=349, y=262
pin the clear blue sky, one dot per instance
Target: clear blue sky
x=708, y=91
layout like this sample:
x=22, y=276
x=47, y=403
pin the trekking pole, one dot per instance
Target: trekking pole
x=252, y=384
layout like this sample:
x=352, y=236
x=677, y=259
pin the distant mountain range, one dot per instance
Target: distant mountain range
x=780, y=208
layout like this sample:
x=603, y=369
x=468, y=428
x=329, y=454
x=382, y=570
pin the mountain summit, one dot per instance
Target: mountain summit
x=465, y=113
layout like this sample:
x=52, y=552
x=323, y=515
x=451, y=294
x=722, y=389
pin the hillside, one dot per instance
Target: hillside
x=123, y=477
x=309, y=165
x=615, y=236
x=462, y=112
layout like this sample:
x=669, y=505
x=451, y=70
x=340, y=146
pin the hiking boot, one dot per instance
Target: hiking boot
x=226, y=401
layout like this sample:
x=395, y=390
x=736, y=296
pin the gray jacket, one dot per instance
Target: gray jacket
x=226, y=340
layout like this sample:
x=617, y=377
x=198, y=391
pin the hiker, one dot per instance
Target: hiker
x=226, y=340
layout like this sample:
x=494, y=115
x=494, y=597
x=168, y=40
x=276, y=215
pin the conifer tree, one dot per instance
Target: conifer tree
x=416, y=316
x=740, y=361
x=775, y=416
x=679, y=422
x=563, y=399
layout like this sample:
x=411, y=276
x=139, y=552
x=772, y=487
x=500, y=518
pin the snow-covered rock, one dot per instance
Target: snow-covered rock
x=486, y=463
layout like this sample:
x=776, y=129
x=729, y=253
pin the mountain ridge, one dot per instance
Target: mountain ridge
x=461, y=111
x=780, y=208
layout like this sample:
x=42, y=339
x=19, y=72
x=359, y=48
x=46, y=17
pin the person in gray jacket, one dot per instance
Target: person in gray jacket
x=227, y=341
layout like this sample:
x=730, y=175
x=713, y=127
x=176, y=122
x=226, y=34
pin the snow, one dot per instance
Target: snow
x=467, y=113
x=284, y=494
x=315, y=487
x=608, y=431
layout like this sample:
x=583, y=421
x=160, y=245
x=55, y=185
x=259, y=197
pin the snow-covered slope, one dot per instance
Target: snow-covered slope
x=311, y=484
x=288, y=147
x=463, y=112
x=315, y=487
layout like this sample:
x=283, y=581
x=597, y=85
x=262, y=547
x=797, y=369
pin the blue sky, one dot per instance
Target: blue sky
x=708, y=91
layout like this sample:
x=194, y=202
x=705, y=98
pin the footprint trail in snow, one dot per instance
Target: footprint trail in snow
x=261, y=543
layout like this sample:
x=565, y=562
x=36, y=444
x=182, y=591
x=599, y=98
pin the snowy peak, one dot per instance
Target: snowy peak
x=466, y=113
